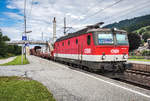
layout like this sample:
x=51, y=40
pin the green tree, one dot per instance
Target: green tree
x=3, y=46
x=134, y=41
x=8, y=50
x=145, y=36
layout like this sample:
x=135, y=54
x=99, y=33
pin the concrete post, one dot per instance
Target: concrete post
x=54, y=30
x=22, y=55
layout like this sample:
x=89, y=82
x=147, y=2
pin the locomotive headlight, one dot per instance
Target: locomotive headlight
x=103, y=56
x=125, y=56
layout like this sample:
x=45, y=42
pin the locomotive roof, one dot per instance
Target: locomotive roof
x=87, y=30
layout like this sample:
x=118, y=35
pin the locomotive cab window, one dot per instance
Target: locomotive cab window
x=122, y=39
x=89, y=39
x=105, y=39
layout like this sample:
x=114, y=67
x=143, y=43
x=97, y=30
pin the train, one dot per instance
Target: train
x=93, y=48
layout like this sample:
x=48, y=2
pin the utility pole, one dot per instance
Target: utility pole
x=64, y=25
x=25, y=23
x=54, y=30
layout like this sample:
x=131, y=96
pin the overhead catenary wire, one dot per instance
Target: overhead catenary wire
x=89, y=9
x=93, y=7
x=124, y=11
x=30, y=12
x=101, y=10
x=25, y=17
x=129, y=10
x=30, y=9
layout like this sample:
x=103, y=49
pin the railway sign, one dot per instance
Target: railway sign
x=87, y=50
x=24, y=38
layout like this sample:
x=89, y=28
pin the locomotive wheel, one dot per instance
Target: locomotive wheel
x=102, y=70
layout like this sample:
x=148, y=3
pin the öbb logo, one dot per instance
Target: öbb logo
x=87, y=50
x=114, y=51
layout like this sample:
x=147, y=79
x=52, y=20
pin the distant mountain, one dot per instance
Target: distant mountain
x=131, y=24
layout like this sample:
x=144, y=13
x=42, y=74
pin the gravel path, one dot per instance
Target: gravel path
x=2, y=61
x=70, y=85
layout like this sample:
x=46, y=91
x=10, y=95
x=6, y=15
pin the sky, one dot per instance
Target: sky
x=78, y=13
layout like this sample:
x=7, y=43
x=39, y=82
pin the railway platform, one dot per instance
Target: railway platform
x=139, y=62
x=139, y=73
x=140, y=65
x=68, y=84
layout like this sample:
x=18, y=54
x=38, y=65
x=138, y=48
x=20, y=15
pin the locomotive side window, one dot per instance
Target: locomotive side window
x=68, y=42
x=76, y=41
x=88, y=39
x=63, y=44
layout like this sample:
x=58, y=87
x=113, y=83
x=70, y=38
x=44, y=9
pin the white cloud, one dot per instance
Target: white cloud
x=77, y=12
x=10, y=7
x=11, y=32
x=14, y=15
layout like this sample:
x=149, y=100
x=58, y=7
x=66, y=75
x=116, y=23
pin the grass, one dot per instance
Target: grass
x=16, y=61
x=136, y=57
x=23, y=89
x=145, y=60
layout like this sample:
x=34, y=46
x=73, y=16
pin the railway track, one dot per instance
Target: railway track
x=137, y=77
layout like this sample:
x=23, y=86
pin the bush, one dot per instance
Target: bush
x=145, y=53
x=145, y=36
x=148, y=28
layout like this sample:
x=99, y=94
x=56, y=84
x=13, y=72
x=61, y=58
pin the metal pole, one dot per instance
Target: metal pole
x=64, y=25
x=22, y=55
x=25, y=23
x=54, y=30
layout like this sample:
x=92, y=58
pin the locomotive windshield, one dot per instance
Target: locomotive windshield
x=105, y=39
x=111, y=39
x=121, y=39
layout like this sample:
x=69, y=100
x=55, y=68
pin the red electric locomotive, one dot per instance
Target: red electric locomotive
x=94, y=47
